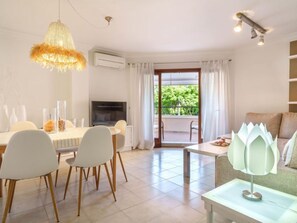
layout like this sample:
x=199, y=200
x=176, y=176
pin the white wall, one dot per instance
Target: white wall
x=260, y=80
x=25, y=82
x=108, y=84
x=80, y=95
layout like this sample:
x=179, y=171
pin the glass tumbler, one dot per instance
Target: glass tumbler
x=49, y=120
x=61, y=115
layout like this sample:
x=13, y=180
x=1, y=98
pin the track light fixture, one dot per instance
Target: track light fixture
x=255, y=27
x=238, y=27
x=253, y=33
x=261, y=41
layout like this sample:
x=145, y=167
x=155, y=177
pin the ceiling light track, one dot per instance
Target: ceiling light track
x=250, y=22
x=255, y=27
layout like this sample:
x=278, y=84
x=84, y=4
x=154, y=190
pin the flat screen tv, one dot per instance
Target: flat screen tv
x=107, y=112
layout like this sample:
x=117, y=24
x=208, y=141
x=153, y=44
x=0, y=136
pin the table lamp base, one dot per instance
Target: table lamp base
x=255, y=196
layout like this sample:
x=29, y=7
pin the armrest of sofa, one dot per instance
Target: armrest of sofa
x=224, y=171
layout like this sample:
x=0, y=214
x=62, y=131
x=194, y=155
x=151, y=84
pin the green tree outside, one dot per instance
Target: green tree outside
x=178, y=100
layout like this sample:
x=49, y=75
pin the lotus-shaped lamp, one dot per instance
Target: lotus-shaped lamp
x=254, y=152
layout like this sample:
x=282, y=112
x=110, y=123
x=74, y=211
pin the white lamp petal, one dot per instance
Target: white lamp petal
x=259, y=158
x=236, y=153
x=276, y=155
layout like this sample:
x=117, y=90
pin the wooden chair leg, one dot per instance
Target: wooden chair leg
x=8, y=200
x=13, y=189
x=109, y=180
x=67, y=182
x=111, y=164
x=79, y=190
x=122, y=164
x=5, y=182
x=95, y=174
x=50, y=182
x=98, y=177
x=88, y=172
x=86, y=175
x=45, y=181
x=57, y=171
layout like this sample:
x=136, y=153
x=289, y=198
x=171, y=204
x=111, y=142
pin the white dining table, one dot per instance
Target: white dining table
x=69, y=138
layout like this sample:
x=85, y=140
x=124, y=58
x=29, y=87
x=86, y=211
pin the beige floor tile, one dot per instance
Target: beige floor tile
x=142, y=212
x=165, y=186
x=183, y=195
x=119, y=217
x=147, y=193
x=183, y=213
x=165, y=218
x=164, y=203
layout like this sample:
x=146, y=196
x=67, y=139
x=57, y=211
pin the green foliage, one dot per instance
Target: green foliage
x=178, y=100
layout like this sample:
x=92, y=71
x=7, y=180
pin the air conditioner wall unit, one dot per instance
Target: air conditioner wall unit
x=105, y=60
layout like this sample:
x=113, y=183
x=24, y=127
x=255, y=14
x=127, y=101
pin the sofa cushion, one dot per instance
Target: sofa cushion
x=271, y=120
x=288, y=125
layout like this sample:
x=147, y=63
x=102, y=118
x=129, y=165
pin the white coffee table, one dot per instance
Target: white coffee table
x=227, y=200
x=204, y=149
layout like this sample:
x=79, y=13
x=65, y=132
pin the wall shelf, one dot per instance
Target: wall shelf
x=292, y=79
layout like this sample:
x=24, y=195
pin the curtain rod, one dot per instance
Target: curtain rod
x=198, y=61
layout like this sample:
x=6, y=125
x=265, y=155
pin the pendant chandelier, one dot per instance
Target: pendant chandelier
x=58, y=50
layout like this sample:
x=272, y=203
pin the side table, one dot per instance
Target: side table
x=204, y=149
x=227, y=200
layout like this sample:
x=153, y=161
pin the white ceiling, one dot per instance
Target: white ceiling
x=149, y=26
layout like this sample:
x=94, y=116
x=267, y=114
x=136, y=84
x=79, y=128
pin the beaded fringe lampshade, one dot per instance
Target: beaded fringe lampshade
x=58, y=50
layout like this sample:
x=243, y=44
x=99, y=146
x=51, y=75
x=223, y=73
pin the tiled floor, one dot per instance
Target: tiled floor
x=156, y=192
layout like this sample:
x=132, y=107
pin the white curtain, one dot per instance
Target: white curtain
x=142, y=104
x=215, y=99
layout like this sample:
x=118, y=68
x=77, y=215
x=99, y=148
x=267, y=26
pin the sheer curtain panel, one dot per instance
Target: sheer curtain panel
x=215, y=99
x=142, y=104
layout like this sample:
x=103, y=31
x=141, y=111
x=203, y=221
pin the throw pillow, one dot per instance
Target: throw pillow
x=271, y=120
x=291, y=155
x=285, y=151
x=288, y=125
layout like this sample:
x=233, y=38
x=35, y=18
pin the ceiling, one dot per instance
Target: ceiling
x=153, y=26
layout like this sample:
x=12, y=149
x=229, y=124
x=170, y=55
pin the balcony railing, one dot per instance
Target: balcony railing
x=178, y=110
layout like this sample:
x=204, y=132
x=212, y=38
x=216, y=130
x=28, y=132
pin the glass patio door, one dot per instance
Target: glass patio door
x=177, y=107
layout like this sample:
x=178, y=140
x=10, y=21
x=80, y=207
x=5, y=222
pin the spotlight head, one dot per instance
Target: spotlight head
x=261, y=41
x=238, y=26
x=253, y=33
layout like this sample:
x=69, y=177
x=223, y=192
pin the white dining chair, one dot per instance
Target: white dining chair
x=28, y=154
x=95, y=150
x=20, y=126
x=64, y=150
x=23, y=125
x=121, y=137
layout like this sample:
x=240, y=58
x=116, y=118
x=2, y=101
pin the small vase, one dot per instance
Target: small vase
x=21, y=113
x=4, y=120
x=13, y=118
x=61, y=115
x=49, y=120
